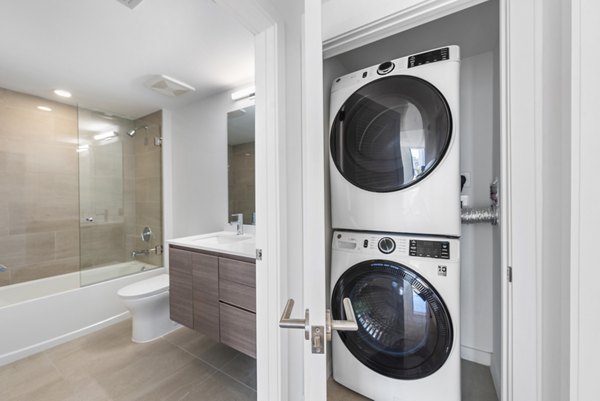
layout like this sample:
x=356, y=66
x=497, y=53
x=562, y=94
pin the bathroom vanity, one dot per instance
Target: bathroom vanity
x=213, y=287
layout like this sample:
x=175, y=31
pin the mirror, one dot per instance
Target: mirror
x=240, y=167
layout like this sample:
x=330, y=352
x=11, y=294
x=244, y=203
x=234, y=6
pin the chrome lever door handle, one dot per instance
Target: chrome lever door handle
x=287, y=323
x=342, y=325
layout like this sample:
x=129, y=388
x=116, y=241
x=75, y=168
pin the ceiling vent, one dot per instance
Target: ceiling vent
x=168, y=86
x=130, y=3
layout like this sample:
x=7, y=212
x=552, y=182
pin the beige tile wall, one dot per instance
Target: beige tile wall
x=39, y=199
x=241, y=180
x=47, y=191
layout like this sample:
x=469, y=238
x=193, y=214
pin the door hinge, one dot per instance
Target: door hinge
x=258, y=254
x=509, y=273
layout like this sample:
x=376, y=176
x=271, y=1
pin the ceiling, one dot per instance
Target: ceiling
x=103, y=52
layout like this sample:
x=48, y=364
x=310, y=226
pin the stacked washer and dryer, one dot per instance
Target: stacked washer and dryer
x=395, y=200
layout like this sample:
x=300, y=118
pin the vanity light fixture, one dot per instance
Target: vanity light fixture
x=62, y=93
x=243, y=93
x=105, y=135
x=44, y=108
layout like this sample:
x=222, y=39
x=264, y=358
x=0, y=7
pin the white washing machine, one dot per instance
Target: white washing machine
x=394, y=146
x=405, y=291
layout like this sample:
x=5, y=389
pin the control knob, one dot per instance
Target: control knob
x=386, y=245
x=385, y=68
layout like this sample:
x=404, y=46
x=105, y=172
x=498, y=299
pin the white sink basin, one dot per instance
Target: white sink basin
x=222, y=239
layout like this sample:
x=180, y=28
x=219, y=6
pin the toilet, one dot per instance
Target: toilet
x=148, y=302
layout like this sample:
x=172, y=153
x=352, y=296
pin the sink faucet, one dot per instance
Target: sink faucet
x=239, y=222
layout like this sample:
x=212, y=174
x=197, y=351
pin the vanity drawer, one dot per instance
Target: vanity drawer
x=237, y=294
x=237, y=271
x=238, y=329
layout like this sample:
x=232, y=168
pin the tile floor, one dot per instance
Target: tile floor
x=107, y=366
x=182, y=366
x=477, y=385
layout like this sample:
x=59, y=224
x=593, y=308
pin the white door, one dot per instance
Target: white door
x=312, y=316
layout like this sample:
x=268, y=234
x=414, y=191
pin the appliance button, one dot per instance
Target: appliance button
x=366, y=243
x=386, y=245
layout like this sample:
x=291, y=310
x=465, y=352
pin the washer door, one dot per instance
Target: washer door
x=404, y=329
x=391, y=133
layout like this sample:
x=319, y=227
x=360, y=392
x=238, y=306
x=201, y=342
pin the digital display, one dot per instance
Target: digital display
x=430, y=249
x=429, y=57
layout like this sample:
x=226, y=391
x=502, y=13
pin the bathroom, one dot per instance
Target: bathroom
x=99, y=170
x=135, y=175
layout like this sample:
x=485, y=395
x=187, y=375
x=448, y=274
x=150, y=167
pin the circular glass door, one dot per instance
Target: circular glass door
x=404, y=329
x=391, y=133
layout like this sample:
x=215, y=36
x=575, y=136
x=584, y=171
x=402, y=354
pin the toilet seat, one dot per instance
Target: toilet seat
x=145, y=288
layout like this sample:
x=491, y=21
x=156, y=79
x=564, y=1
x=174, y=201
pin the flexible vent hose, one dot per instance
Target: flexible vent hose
x=481, y=215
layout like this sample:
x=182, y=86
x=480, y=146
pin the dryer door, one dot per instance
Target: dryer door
x=391, y=133
x=404, y=328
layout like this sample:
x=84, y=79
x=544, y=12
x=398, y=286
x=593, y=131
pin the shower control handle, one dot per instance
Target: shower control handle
x=89, y=219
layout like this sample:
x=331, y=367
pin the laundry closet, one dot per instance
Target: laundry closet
x=475, y=31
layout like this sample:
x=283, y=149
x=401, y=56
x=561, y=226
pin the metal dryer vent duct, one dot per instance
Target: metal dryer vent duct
x=130, y=3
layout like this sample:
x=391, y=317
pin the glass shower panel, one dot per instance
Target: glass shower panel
x=38, y=190
x=114, y=194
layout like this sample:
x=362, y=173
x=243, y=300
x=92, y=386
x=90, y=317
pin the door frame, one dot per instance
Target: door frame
x=521, y=114
x=521, y=178
x=266, y=23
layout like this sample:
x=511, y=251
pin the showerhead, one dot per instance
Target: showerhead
x=134, y=131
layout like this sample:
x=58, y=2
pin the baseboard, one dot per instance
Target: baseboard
x=475, y=355
x=53, y=342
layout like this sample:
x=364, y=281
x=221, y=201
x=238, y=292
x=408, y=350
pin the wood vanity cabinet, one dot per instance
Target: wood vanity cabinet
x=215, y=294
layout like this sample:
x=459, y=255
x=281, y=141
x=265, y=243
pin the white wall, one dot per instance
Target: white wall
x=199, y=165
x=477, y=247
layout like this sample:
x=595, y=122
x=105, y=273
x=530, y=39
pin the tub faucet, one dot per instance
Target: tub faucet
x=135, y=254
x=239, y=222
x=157, y=250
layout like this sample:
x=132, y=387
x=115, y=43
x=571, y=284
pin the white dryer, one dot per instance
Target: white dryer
x=394, y=146
x=405, y=291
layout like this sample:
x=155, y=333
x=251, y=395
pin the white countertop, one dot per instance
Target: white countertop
x=226, y=242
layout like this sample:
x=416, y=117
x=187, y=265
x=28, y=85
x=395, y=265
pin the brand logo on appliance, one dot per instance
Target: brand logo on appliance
x=442, y=271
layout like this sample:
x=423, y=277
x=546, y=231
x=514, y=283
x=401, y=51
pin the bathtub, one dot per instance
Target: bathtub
x=40, y=314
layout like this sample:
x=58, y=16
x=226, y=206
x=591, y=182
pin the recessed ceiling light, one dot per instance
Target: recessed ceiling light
x=62, y=93
x=44, y=108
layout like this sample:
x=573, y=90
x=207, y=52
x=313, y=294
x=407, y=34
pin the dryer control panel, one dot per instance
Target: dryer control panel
x=429, y=249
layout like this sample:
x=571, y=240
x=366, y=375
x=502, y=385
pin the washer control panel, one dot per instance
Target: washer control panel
x=380, y=245
x=429, y=249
